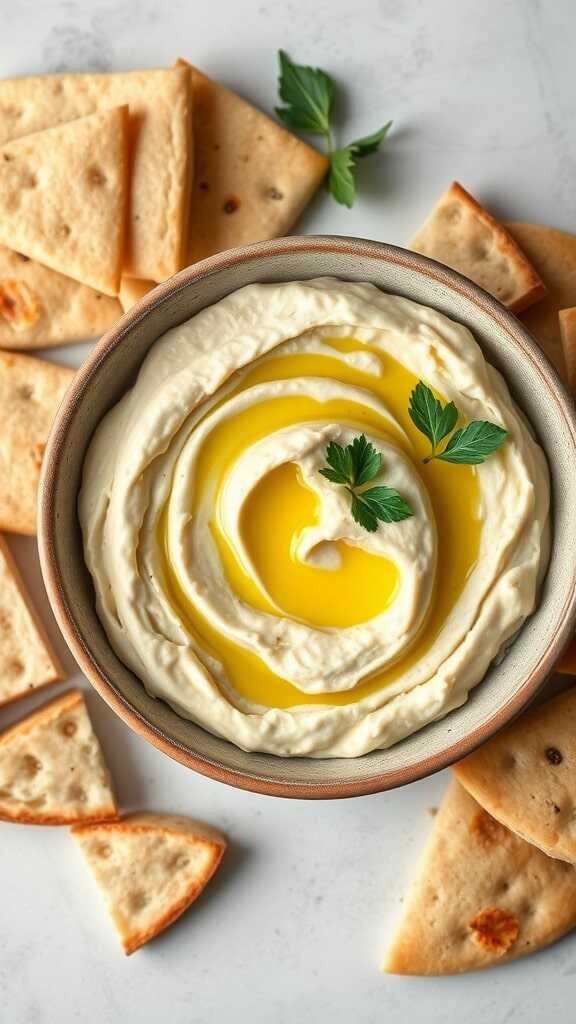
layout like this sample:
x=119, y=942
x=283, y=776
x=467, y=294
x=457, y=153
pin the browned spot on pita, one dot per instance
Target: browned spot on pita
x=95, y=176
x=44, y=308
x=18, y=304
x=553, y=755
x=486, y=829
x=231, y=205
x=494, y=930
x=38, y=453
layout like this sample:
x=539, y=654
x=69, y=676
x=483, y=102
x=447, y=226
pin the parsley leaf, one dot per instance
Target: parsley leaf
x=474, y=443
x=339, y=461
x=470, y=445
x=340, y=182
x=370, y=143
x=366, y=461
x=354, y=466
x=363, y=514
x=430, y=416
x=384, y=503
x=307, y=94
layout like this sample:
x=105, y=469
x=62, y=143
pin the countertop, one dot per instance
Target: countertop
x=293, y=927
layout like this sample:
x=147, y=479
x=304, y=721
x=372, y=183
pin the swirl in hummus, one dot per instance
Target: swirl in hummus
x=229, y=573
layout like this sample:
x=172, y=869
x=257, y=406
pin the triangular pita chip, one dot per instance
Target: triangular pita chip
x=553, y=254
x=482, y=896
x=463, y=235
x=27, y=660
x=131, y=290
x=40, y=308
x=252, y=178
x=63, y=197
x=30, y=392
x=52, y=770
x=553, y=321
x=526, y=776
x=567, y=324
x=159, y=102
x=150, y=868
x=567, y=663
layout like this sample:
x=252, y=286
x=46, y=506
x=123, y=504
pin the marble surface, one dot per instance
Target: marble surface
x=293, y=927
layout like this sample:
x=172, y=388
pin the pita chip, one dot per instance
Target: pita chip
x=131, y=290
x=567, y=663
x=526, y=776
x=252, y=178
x=40, y=308
x=482, y=896
x=567, y=324
x=52, y=769
x=27, y=660
x=149, y=868
x=160, y=148
x=63, y=196
x=463, y=235
x=553, y=254
x=30, y=392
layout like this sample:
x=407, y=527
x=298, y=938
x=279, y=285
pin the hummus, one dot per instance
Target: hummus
x=229, y=573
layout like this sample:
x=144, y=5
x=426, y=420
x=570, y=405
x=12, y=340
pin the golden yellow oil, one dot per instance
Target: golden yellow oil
x=281, y=506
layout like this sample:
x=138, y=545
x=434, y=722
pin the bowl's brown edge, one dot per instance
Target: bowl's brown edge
x=46, y=541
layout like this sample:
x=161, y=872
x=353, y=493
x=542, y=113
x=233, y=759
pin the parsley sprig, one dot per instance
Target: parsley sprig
x=470, y=445
x=353, y=467
x=308, y=95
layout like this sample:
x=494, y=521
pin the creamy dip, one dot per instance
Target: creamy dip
x=229, y=573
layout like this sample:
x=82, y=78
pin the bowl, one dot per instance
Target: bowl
x=110, y=370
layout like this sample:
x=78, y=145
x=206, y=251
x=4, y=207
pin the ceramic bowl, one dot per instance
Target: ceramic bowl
x=111, y=369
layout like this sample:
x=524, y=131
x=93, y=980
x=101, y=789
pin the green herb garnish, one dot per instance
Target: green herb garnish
x=469, y=446
x=353, y=467
x=308, y=94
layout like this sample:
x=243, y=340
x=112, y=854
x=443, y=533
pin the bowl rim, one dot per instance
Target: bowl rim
x=79, y=648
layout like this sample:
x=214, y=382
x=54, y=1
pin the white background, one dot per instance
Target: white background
x=293, y=927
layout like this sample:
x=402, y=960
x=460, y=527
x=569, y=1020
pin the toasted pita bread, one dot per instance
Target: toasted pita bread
x=150, y=868
x=567, y=324
x=567, y=663
x=27, y=661
x=63, y=197
x=40, y=308
x=131, y=290
x=161, y=169
x=526, y=776
x=30, y=392
x=252, y=178
x=463, y=235
x=482, y=896
x=553, y=254
x=52, y=770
